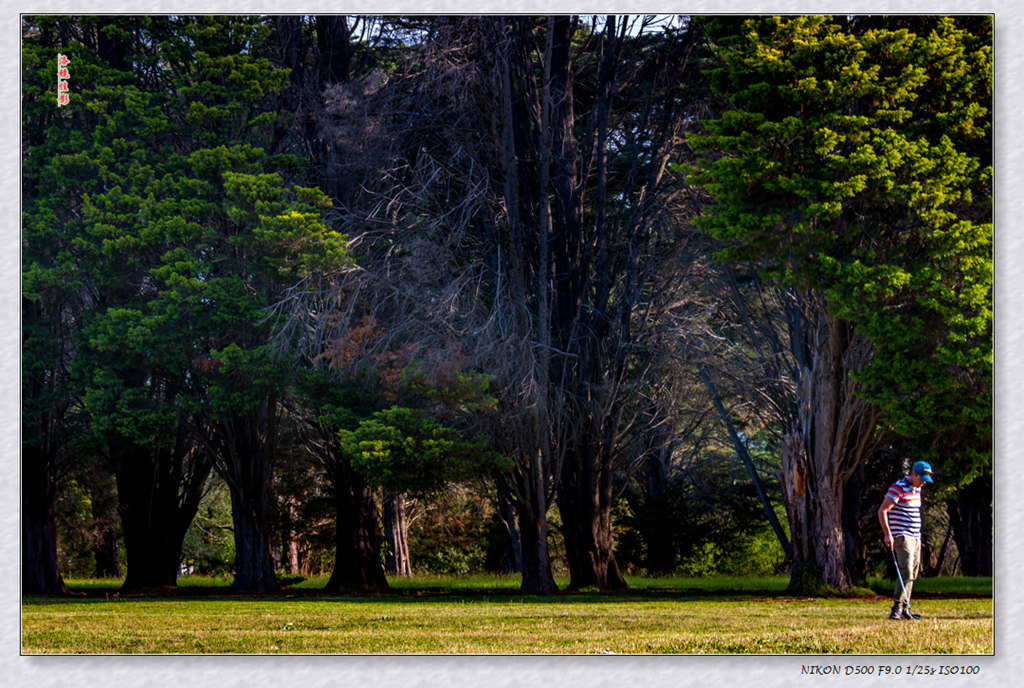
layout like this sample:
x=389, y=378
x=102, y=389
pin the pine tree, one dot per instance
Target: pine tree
x=853, y=164
x=185, y=232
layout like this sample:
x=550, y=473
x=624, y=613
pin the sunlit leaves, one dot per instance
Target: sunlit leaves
x=406, y=451
x=855, y=162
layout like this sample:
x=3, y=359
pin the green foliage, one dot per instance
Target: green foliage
x=451, y=560
x=403, y=450
x=209, y=544
x=73, y=512
x=153, y=191
x=855, y=160
x=449, y=535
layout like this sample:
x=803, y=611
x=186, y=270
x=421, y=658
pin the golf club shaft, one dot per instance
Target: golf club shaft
x=899, y=576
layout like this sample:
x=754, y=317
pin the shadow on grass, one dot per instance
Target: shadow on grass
x=481, y=589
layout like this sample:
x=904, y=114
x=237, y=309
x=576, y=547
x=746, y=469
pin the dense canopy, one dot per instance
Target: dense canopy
x=570, y=294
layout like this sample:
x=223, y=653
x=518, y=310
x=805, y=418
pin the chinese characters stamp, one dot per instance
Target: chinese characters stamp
x=63, y=74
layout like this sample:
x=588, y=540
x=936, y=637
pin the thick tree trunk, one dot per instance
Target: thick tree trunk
x=357, y=563
x=254, y=564
x=817, y=542
x=40, y=573
x=584, y=503
x=333, y=37
x=536, y=565
x=160, y=492
x=837, y=431
x=396, y=532
x=970, y=513
x=247, y=444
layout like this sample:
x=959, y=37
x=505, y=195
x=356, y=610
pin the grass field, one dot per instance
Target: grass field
x=486, y=615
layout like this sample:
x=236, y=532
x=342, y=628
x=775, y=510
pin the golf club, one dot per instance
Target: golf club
x=903, y=587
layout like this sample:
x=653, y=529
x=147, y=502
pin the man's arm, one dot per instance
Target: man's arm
x=883, y=518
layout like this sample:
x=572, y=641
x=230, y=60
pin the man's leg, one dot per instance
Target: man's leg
x=900, y=593
x=908, y=556
x=913, y=546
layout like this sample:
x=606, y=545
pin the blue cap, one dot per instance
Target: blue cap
x=924, y=470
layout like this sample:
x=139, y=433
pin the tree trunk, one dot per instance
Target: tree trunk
x=741, y=451
x=254, y=564
x=837, y=431
x=580, y=325
x=528, y=490
x=584, y=503
x=970, y=514
x=396, y=531
x=104, y=526
x=934, y=562
x=511, y=547
x=46, y=350
x=853, y=503
x=160, y=491
x=111, y=46
x=291, y=539
x=247, y=444
x=333, y=36
x=40, y=573
x=357, y=563
x=536, y=566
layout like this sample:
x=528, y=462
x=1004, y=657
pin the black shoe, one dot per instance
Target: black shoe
x=896, y=613
x=907, y=614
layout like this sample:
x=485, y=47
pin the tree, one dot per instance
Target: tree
x=327, y=404
x=185, y=232
x=559, y=189
x=404, y=451
x=268, y=238
x=57, y=292
x=852, y=166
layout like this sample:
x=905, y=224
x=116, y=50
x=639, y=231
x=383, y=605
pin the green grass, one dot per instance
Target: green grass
x=487, y=615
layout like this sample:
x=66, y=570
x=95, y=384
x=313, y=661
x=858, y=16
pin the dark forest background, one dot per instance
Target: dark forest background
x=566, y=295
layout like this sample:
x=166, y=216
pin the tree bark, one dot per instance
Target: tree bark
x=46, y=355
x=536, y=566
x=160, y=491
x=40, y=573
x=584, y=503
x=396, y=532
x=247, y=444
x=254, y=565
x=837, y=431
x=511, y=549
x=357, y=562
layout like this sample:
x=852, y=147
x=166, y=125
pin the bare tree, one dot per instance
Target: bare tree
x=515, y=209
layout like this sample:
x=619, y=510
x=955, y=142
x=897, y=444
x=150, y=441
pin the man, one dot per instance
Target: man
x=900, y=516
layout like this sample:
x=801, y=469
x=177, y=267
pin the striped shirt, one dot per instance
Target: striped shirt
x=905, y=517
